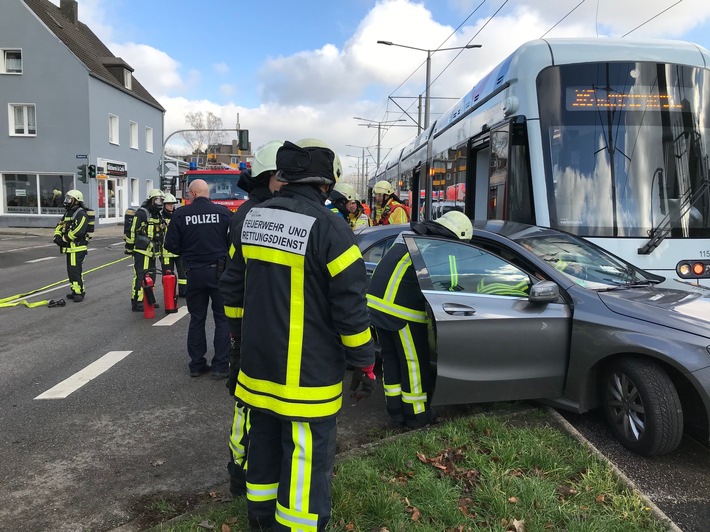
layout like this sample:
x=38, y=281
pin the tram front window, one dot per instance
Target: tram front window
x=626, y=149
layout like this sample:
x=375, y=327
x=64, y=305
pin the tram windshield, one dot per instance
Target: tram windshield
x=626, y=149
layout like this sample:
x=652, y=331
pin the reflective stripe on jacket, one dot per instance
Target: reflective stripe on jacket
x=304, y=308
x=73, y=228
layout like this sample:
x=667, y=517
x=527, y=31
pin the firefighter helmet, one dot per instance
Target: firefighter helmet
x=169, y=198
x=265, y=159
x=155, y=193
x=75, y=194
x=308, y=161
x=458, y=223
x=343, y=192
x=383, y=187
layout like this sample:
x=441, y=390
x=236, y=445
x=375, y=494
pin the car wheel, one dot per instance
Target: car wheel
x=642, y=406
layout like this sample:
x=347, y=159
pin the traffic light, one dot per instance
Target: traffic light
x=82, y=173
x=693, y=269
x=243, y=139
x=92, y=171
x=168, y=184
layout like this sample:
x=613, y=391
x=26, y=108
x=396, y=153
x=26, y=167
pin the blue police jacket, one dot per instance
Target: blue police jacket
x=199, y=232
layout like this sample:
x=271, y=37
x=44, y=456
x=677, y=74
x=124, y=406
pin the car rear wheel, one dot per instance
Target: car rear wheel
x=642, y=406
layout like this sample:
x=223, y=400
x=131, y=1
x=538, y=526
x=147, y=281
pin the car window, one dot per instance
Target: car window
x=459, y=267
x=375, y=253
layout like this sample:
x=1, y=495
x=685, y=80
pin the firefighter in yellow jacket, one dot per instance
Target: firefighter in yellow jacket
x=301, y=294
x=145, y=243
x=398, y=312
x=171, y=261
x=388, y=208
x=71, y=235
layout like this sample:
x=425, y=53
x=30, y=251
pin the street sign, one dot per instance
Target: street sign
x=81, y=156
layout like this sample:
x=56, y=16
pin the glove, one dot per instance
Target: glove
x=59, y=241
x=235, y=350
x=363, y=382
x=128, y=249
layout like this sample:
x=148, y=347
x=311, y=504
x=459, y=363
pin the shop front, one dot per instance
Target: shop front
x=112, y=190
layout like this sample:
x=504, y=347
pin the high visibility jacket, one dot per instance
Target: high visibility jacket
x=146, y=235
x=234, y=315
x=73, y=229
x=167, y=215
x=394, y=296
x=358, y=219
x=303, y=306
x=392, y=213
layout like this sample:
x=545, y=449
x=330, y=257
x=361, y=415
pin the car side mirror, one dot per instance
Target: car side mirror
x=544, y=292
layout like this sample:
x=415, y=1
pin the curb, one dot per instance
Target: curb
x=655, y=510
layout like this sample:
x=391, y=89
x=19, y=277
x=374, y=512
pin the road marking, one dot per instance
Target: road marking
x=171, y=319
x=39, y=260
x=90, y=372
x=31, y=247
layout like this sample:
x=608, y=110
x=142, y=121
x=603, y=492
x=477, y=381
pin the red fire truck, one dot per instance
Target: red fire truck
x=222, y=182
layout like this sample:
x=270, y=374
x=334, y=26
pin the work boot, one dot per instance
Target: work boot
x=78, y=298
x=136, y=306
x=70, y=295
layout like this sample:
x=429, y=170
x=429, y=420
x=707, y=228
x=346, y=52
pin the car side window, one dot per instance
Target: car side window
x=459, y=267
x=375, y=253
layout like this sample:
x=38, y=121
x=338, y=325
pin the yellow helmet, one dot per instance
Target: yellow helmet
x=169, y=198
x=343, y=191
x=383, y=187
x=75, y=194
x=317, y=143
x=458, y=223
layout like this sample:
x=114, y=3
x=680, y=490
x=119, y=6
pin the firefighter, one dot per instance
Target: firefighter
x=388, y=207
x=300, y=287
x=170, y=261
x=71, y=235
x=345, y=200
x=397, y=309
x=145, y=242
x=199, y=233
x=261, y=184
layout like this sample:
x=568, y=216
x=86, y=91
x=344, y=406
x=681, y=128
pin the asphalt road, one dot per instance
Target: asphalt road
x=143, y=429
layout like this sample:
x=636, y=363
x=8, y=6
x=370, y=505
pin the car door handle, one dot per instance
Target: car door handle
x=458, y=310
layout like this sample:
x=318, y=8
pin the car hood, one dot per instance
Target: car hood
x=677, y=309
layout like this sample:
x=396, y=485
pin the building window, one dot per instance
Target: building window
x=127, y=79
x=149, y=139
x=133, y=130
x=197, y=160
x=234, y=160
x=113, y=129
x=11, y=62
x=23, y=120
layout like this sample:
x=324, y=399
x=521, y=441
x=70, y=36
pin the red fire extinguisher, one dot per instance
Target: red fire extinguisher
x=148, y=297
x=170, y=292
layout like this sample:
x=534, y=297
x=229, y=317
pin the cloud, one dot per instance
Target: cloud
x=221, y=68
x=155, y=69
x=227, y=89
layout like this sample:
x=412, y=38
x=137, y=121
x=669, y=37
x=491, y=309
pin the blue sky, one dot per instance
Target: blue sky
x=289, y=70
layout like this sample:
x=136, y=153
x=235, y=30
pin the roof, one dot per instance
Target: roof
x=89, y=49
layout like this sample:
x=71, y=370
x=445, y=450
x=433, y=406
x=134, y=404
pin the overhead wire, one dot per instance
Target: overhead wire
x=649, y=20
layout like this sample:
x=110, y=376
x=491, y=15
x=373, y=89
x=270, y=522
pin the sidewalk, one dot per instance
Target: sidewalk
x=107, y=230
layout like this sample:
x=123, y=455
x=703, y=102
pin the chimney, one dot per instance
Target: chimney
x=70, y=9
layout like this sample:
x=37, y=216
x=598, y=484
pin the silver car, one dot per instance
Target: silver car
x=540, y=314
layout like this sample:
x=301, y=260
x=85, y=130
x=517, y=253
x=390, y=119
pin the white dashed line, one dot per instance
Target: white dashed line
x=90, y=372
x=171, y=319
x=39, y=260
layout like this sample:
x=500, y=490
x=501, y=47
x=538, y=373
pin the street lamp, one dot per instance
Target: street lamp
x=428, y=68
x=375, y=123
x=361, y=184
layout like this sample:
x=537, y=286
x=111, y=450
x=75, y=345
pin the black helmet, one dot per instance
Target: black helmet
x=309, y=161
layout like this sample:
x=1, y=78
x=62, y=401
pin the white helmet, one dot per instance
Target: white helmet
x=458, y=223
x=265, y=158
x=343, y=191
x=75, y=194
x=383, y=187
x=169, y=198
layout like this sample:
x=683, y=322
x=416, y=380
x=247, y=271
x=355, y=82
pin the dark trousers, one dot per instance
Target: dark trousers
x=75, y=262
x=290, y=472
x=141, y=263
x=238, y=449
x=406, y=374
x=202, y=286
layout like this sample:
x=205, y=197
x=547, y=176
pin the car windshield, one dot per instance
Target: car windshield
x=586, y=264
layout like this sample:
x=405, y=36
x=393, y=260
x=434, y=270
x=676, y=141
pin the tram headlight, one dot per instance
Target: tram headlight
x=693, y=269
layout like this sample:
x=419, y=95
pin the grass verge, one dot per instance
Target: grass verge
x=481, y=472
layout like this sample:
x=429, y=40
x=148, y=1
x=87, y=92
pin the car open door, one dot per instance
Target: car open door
x=489, y=341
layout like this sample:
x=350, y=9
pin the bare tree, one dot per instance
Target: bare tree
x=209, y=134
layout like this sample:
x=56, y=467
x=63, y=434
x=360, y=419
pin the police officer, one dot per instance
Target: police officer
x=301, y=290
x=388, y=208
x=169, y=260
x=199, y=233
x=261, y=184
x=145, y=242
x=398, y=312
x=71, y=237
